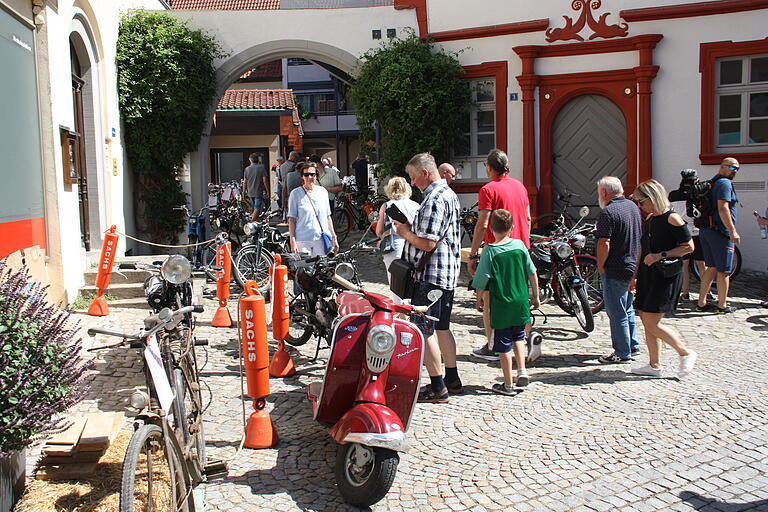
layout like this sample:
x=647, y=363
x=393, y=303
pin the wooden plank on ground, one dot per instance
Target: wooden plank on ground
x=99, y=431
x=70, y=435
x=59, y=450
x=34, y=257
x=66, y=471
x=74, y=458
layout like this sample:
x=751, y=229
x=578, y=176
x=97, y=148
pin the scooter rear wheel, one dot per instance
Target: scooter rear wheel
x=364, y=474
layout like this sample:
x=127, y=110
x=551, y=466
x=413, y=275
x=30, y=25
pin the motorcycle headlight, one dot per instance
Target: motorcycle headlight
x=563, y=250
x=381, y=339
x=471, y=219
x=579, y=241
x=373, y=216
x=176, y=269
x=249, y=228
x=345, y=270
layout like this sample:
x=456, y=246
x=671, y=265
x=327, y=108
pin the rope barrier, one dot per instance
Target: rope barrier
x=166, y=245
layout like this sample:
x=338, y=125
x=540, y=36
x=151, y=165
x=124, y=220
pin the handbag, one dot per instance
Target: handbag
x=402, y=273
x=669, y=267
x=325, y=237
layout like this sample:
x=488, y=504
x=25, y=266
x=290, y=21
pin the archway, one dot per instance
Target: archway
x=229, y=71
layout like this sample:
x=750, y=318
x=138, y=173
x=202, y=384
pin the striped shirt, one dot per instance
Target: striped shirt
x=438, y=215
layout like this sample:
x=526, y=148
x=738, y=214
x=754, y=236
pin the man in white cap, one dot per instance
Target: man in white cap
x=330, y=180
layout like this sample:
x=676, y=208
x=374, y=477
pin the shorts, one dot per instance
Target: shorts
x=504, y=339
x=718, y=250
x=441, y=309
x=257, y=202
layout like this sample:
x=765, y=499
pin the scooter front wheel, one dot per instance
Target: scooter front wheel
x=364, y=474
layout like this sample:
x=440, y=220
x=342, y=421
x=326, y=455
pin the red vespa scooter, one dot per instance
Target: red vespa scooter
x=369, y=390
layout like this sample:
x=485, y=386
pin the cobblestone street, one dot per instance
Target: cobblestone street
x=584, y=436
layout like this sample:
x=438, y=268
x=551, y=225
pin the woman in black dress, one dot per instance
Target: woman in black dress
x=666, y=239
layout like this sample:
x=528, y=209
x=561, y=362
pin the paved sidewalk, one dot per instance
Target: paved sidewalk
x=583, y=437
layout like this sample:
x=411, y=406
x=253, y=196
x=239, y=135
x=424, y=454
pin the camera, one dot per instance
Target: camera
x=690, y=191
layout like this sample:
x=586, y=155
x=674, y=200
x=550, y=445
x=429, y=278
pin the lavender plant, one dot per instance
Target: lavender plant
x=41, y=371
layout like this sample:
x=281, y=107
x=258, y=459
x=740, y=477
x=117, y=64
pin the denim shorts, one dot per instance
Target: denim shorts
x=718, y=250
x=504, y=339
x=441, y=309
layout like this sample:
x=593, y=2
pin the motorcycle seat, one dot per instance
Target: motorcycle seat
x=349, y=303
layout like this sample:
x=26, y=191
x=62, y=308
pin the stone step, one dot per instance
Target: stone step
x=129, y=276
x=119, y=291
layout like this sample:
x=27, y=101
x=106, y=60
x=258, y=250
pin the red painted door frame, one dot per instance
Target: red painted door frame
x=630, y=89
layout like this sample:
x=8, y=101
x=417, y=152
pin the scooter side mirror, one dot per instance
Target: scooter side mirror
x=584, y=211
x=434, y=296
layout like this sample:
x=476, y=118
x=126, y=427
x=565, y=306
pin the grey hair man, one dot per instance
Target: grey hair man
x=618, y=232
x=435, y=227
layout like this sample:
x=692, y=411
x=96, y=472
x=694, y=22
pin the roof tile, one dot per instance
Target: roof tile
x=255, y=99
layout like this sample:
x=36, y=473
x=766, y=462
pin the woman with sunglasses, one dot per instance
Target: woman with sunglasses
x=309, y=215
x=665, y=240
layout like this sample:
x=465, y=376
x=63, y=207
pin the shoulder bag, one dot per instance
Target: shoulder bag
x=325, y=237
x=402, y=273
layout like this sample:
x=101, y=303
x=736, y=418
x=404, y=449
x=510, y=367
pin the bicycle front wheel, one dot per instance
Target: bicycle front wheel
x=342, y=223
x=153, y=477
x=253, y=265
x=188, y=420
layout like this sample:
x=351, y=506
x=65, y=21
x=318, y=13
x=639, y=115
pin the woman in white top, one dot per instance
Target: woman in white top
x=309, y=215
x=399, y=193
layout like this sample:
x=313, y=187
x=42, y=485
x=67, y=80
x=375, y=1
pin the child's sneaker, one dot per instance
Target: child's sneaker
x=522, y=380
x=485, y=353
x=503, y=389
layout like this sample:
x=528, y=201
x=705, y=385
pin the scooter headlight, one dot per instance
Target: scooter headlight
x=249, y=228
x=563, y=250
x=381, y=339
x=176, y=269
x=345, y=270
x=579, y=241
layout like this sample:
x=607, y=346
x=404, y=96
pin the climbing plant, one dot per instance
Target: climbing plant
x=166, y=84
x=414, y=92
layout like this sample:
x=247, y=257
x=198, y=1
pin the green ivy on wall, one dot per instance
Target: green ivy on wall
x=166, y=83
x=416, y=95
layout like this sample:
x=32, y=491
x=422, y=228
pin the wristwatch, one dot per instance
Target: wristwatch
x=663, y=254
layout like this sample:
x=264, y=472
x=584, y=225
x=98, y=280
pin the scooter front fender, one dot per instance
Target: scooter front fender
x=372, y=425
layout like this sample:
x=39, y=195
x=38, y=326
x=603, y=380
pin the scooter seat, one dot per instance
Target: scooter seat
x=350, y=303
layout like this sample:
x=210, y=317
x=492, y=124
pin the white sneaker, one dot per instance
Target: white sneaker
x=687, y=363
x=647, y=370
x=522, y=380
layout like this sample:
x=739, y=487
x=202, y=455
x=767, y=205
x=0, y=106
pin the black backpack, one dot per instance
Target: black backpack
x=701, y=206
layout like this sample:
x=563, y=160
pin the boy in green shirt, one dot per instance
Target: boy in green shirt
x=505, y=269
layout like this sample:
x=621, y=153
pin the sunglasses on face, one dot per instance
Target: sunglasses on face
x=638, y=200
x=309, y=174
x=733, y=168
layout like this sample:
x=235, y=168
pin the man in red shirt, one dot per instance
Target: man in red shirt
x=511, y=195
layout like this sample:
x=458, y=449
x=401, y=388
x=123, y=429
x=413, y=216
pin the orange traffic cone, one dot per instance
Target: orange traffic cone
x=281, y=364
x=222, y=318
x=260, y=431
x=106, y=260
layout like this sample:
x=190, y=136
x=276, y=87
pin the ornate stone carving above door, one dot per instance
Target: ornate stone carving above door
x=600, y=28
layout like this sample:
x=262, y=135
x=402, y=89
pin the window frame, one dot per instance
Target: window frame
x=711, y=54
x=499, y=72
x=744, y=89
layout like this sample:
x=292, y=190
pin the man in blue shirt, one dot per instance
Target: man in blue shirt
x=718, y=242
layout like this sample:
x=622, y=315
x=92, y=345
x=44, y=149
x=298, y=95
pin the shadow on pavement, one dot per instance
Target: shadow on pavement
x=596, y=376
x=760, y=321
x=699, y=502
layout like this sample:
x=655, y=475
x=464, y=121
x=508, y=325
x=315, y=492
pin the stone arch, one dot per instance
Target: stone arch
x=84, y=44
x=229, y=70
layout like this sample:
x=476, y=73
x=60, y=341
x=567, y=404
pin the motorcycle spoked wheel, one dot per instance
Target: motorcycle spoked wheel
x=298, y=332
x=364, y=474
x=581, y=308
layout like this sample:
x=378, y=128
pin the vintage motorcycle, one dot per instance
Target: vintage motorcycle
x=369, y=389
x=257, y=254
x=560, y=275
x=169, y=286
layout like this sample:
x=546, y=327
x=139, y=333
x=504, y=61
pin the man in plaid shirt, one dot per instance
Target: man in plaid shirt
x=437, y=218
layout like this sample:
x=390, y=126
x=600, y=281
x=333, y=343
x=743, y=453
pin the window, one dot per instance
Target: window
x=741, y=101
x=479, y=135
x=734, y=101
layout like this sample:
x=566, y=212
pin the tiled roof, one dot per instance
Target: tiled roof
x=273, y=69
x=224, y=5
x=255, y=99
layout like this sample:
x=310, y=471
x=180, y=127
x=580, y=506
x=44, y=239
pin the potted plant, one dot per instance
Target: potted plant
x=41, y=373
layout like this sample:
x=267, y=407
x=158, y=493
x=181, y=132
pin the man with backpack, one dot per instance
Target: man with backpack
x=719, y=236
